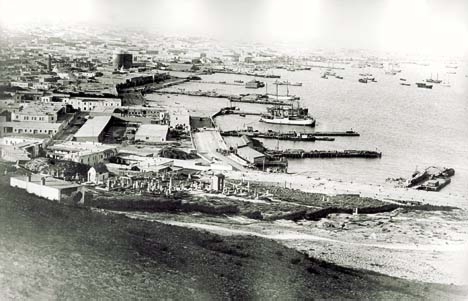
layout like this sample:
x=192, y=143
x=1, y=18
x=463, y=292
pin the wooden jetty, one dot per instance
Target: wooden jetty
x=291, y=136
x=301, y=154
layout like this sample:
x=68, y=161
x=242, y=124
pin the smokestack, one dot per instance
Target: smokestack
x=49, y=63
x=43, y=181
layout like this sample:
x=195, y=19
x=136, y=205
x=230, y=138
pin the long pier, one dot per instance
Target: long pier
x=248, y=73
x=219, y=83
x=292, y=136
x=231, y=97
x=277, y=135
x=300, y=154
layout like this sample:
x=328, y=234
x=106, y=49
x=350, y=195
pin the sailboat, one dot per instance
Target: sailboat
x=434, y=81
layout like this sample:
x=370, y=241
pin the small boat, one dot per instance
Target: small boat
x=403, y=79
x=405, y=84
x=339, y=77
x=324, y=76
x=239, y=81
x=424, y=85
x=242, y=115
x=363, y=80
x=296, y=84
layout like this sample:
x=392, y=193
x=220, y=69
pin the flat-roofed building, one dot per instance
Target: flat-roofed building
x=14, y=148
x=40, y=129
x=152, y=133
x=46, y=187
x=39, y=112
x=89, y=153
x=90, y=103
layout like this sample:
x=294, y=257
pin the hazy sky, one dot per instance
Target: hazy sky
x=437, y=26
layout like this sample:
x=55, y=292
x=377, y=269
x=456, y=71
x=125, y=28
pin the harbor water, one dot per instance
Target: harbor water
x=414, y=128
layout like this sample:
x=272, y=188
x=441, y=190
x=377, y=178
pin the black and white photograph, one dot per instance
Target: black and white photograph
x=234, y=150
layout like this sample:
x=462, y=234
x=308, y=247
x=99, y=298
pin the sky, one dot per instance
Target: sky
x=430, y=26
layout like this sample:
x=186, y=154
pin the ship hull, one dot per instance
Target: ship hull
x=287, y=121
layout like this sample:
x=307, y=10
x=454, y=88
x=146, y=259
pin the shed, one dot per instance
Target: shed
x=250, y=155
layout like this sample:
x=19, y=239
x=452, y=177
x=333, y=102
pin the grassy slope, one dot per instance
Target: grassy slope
x=65, y=252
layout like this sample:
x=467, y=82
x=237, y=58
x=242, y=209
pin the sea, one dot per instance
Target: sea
x=413, y=127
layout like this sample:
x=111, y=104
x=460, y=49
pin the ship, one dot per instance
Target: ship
x=288, y=116
x=416, y=178
x=434, y=81
x=423, y=85
x=254, y=84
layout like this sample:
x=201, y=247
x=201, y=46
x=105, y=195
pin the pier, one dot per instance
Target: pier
x=291, y=136
x=248, y=73
x=257, y=99
x=301, y=154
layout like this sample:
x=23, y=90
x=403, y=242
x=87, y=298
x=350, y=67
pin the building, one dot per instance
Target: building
x=39, y=112
x=40, y=129
x=250, y=155
x=137, y=114
x=90, y=103
x=89, y=153
x=122, y=59
x=20, y=148
x=98, y=174
x=152, y=133
x=217, y=182
x=46, y=187
x=93, y=130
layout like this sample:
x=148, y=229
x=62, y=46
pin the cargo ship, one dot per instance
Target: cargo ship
x=288, y=116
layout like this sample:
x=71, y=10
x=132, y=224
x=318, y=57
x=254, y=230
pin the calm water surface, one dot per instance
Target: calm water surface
x=412, y=127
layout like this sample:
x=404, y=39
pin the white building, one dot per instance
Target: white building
x=46, y=187
x=39, y=112
x=152, y=133
x=89, y=153
x=90, y=103
x=14, y=148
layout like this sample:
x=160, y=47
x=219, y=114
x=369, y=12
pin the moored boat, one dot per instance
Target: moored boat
x=288, y=116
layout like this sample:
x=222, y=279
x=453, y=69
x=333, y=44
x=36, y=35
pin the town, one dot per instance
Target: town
x=237, y=140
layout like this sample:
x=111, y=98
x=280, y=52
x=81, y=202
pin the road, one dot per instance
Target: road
x=208, y=141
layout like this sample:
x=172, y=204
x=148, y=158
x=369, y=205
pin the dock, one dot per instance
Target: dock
x=232, y=97
x=291, y=136
x=248, y=73
x=301, y=154
x=220, y=83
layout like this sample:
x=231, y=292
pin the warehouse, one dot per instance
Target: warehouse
x=250, y=155
x=93, y=130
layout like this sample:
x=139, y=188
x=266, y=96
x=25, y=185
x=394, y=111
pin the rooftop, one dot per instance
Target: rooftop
x=93, y=127
x=152, y=130
x=49, y=181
